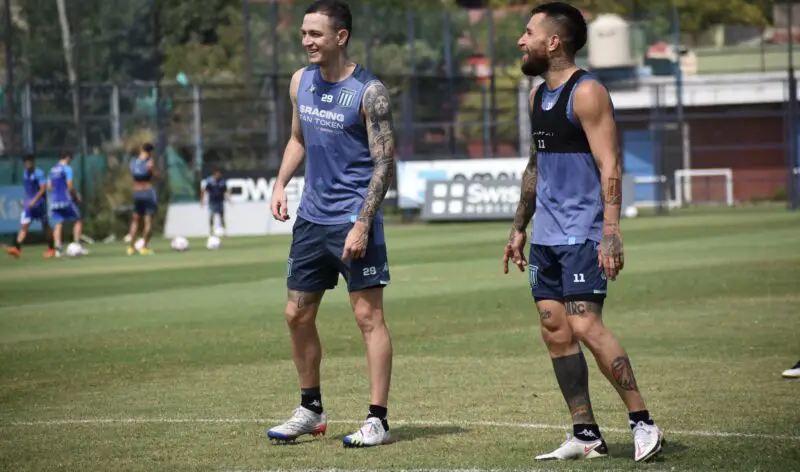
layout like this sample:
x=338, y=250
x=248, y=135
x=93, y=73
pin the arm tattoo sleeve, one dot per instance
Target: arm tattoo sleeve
x=527, y=197
x=380, y=133
x=614, y=192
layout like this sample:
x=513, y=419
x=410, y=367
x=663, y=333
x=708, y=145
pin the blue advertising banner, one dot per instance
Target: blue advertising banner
x=11, y=206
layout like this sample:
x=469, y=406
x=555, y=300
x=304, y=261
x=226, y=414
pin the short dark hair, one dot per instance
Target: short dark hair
x=66, y=154
x=569, y=21
x=339, y=13
x=147, y=147
x=29, y=157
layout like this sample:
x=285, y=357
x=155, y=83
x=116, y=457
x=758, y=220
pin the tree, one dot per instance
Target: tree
x=203, y=60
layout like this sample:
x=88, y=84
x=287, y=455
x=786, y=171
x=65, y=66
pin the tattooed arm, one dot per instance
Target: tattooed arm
x=377, y=109
x=527, y=195
x=594, y=110
x=515, y=249
x=380, y=133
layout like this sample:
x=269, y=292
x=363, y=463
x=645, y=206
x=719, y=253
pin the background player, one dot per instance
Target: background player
x=342, y=122
x=64, y=200
x=216, y=188
x=34, y=183
x=573, y=178
x=145, y=205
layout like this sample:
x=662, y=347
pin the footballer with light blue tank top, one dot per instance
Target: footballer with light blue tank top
x=34, y=206
x=145, y=204
x=63, y=201
x=338, y=170
x=342, y=128
x=571, y=188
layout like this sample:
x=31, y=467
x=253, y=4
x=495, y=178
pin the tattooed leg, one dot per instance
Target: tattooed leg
x=301, y=314
x=572, y=374
x=585, y=318
x=570, y=368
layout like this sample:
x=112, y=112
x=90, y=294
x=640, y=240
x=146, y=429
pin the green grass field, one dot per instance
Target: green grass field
x=181, y=361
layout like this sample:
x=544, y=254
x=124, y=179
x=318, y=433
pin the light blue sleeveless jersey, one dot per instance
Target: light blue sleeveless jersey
x=338, y=165
x=60, y=197
x=569, y=204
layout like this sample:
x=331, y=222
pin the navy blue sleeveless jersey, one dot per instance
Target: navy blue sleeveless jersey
x=32, y=181
x=215, y=189
x=569, y=205
x=140, y=170
x=338, y=166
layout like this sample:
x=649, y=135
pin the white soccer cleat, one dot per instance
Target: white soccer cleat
x=647, y=441
x=576, y=449
x=793, y=373
x=303, y=421
x=371, y=434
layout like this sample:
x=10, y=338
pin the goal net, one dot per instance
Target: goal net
x=704, y=187
x=689, y=187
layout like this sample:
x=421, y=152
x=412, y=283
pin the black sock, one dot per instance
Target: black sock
x=17, y=245
x=50, y=243
x=637, y=416
x=380, y=412
x=311, y=399
x=586, y=432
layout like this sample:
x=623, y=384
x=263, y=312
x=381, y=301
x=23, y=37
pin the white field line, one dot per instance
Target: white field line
x=493, y=424
x=446, y=470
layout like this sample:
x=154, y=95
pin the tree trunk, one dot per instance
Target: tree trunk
x=66, y=38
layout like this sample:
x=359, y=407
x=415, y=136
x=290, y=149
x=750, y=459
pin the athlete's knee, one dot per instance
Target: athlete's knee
x=368, y=309
x=301, y=310
x=368, y=318
x=555, y=329
x=586, y=319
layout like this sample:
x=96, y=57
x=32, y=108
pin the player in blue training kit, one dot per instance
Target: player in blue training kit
x=34, y=183
x=342, y=124
x=572, y=182
x=64, y=200
x=216, y=189
x=145, y=205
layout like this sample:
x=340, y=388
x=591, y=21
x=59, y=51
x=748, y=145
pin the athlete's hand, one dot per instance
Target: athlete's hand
x=355, y=246
x=610, y=256
x=280, y=209
x=515, y=250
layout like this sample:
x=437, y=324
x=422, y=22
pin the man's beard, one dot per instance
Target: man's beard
x=535, y=66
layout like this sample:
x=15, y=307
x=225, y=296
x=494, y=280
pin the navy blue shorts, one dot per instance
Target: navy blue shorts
x=315, y=258
x=566, y=273
x=216, y=208
x=145, y=203
x=61, y=214
x=37, y=213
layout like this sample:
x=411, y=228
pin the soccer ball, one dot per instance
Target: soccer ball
x=180, y=244
x=219, y=231
x=213, y=242
x=75, y=250
x=631, y=212
x=139, y=244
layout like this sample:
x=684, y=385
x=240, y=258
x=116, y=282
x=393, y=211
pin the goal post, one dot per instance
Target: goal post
x=689, y=187
x=704, y=186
